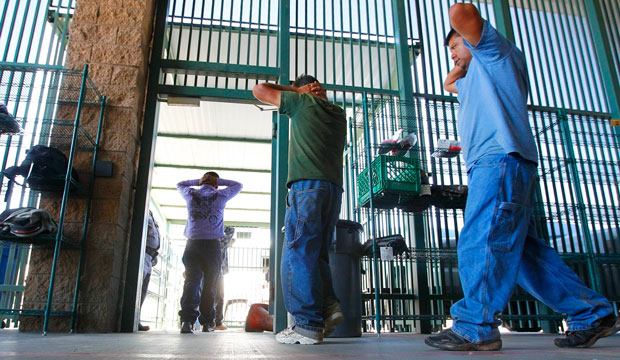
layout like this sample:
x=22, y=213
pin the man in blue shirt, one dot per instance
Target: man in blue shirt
x=498, y=247
x=203, y=256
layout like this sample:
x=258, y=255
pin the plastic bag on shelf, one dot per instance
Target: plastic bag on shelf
x=446, y=148
x=396, y=145
x=27, y=222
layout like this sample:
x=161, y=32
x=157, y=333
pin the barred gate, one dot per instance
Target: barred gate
x=246, y=283
x=352, y=50
x=576, y=211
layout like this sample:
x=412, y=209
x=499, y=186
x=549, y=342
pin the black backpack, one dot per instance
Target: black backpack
x=44, y=169
x=396, y=242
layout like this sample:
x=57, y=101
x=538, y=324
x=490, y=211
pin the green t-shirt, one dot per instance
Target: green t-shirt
x=318, y=134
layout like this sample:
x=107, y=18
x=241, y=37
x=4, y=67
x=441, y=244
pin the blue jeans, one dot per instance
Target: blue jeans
x=499, y=248
x=202, y=259
x=312, y=211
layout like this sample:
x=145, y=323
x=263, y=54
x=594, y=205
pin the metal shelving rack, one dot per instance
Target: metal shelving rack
x=49, y=102
x=387, y=285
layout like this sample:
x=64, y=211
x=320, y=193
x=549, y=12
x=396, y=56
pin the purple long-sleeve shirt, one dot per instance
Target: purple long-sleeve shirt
x=205, y=207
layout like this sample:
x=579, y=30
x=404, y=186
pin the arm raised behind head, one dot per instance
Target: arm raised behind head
x=269, y=93
x=466, y=20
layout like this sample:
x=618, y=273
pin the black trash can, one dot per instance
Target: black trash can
x=344, y=263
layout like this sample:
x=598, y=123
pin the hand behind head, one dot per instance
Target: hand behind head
x=208, y=180
x=314, y=88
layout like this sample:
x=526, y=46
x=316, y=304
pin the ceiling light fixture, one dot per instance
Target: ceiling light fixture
x=183, y=101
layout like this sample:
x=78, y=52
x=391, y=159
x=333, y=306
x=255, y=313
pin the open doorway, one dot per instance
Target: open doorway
x=234, y=140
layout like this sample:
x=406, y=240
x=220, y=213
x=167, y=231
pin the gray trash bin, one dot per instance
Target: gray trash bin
x=344, y=262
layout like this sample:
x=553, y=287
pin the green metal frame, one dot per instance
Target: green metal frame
x=60, y=97
x=133, y=278
x=279, y=175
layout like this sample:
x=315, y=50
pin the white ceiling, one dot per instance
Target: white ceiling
x=214, y=119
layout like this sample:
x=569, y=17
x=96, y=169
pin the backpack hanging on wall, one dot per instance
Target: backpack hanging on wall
x=27, y=222
x=43, y=169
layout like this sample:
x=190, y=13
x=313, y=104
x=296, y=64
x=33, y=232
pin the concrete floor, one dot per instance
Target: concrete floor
x=235, y=344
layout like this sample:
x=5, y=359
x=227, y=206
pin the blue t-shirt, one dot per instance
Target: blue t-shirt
x=493, y=116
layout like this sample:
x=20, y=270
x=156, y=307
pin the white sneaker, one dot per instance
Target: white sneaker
x=289, y=336
x=332, y=318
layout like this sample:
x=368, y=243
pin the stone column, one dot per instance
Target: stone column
x=113, y=37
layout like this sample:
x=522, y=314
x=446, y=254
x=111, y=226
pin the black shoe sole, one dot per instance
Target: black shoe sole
x=605, y=333
x=490, y=346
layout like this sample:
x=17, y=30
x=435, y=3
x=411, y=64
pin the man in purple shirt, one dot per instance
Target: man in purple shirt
x=202, y=257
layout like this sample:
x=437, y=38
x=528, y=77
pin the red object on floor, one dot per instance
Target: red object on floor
x=258, y=319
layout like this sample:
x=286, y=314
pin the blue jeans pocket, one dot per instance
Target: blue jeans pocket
x=505, y=227
x=308, y=206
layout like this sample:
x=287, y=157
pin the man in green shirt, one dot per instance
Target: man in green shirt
x=318, y=134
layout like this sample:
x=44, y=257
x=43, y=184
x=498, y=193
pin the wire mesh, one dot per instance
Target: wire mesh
x=45, y=101
x=35, y=32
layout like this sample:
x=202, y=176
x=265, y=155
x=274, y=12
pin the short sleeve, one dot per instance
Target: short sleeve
x=290, y=103
x=492, y=46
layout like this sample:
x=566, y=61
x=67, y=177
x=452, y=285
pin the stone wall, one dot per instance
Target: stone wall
x=113, y=37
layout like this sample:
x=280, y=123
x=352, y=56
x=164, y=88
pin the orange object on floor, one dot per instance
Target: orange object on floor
x=258, y=319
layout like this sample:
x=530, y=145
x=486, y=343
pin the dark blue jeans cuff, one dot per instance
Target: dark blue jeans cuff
x=312, y=332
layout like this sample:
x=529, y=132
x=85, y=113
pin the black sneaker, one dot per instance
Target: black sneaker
x=606, y=326
x=143, y=327
x=207, y=328
x=187, y=327
x=449, y=340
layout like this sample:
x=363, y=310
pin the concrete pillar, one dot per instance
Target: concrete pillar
x=113, y=37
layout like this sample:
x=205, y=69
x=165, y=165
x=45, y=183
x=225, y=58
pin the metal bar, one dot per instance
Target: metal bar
x=230, y=30
x=273, y=230
x=219, y=69
x=65, y=197
x=405, y=81
x=87, y=215
x=267, y=58
x=280, y=172
x=503, y=22
x=191, y=167
x=605, y=58
x=133, y=277
x=213, y=138
x=372, y=232
x=568, y=148
x=207, y=93
x=11, y=28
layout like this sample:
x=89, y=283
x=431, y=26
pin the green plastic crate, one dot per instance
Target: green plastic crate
x=393, y=177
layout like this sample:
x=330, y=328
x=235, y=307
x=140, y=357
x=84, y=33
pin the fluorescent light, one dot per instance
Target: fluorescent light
x=183, y=101
x=266, y=107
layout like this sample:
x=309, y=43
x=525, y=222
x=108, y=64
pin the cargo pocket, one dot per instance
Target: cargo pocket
x=308, y=206
x=507, y=225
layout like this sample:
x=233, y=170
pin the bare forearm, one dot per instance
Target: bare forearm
x=280, y=87
x=450, y=83
x=270, y=93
